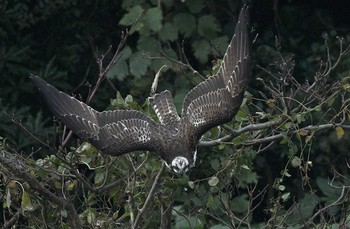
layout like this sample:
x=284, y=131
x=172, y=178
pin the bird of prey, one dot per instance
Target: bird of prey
x=213, y=102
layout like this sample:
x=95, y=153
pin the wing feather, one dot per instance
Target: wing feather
x=164, y=107
x=113, y=132
x=216, y=100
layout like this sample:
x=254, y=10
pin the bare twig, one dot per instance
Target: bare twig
x=235, y=133
x=148, y=199
x=338, y=201
x=20, y=169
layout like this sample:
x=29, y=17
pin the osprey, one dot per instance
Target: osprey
x=213, y=102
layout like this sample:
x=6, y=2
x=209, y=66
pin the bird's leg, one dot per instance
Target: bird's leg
x=155, y=81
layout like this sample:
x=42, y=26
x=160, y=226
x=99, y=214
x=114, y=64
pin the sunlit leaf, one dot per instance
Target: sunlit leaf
x=26, y=203
x=91, y=217
x=271, y=103
x=71, y=185
x=346, y=86
x=303, y=132
x=64, y=213
x=317, y=108
x=340, y=132
x=213, y=181
x=295, y=162
x=99, y=177
x=285, y=196
x=281, y=187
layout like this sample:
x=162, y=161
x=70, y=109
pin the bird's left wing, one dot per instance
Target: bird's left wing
x=113, y=132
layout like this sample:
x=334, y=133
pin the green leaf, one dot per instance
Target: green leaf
x=296, y=162
x=221, y=44
x=210, y=201
x=327, y=189
x=186, y=23
x=208, y=27
x=120, y=70
x=195, y=6
x=346, y=86
x=288, y=125
x=91, y=217
x=201, y=50
x=130, y=3
x=240, y=203
x=219, y=226
x=138, y=64
x=213, y=181
x=157, y=64
x=215, y=164
x=191, y=184
x=118, y=102
x=305, y=209
x=131, y=17
x=128, y=99
x=196, y=201
x=149, y=45
x=169, y=32
x=285, y=196
x=26, y=203
x=317, y=108
x=153, y=19
x=71, y=185
x=64, y=213
x=340, y=132
x=99, y=177
x=281, y=187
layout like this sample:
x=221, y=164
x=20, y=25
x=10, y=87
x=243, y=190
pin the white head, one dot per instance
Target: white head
x=181, y=164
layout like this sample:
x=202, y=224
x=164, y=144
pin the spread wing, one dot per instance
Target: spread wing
x=164, y=107
x=113, y=132
x=216, y=100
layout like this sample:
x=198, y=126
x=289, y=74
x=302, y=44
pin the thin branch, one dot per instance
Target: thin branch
x=338, y=201
x=235, y=133
x=20, y=169
x=279, y=136
x=148, y=199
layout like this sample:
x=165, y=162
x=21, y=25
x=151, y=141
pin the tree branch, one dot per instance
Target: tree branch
x=18, y=168
x=149, y=196
x=235, y=133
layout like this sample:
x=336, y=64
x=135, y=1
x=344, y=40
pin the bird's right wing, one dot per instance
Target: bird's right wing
x=113, y=132
x=236, y=64
x=216, y=100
